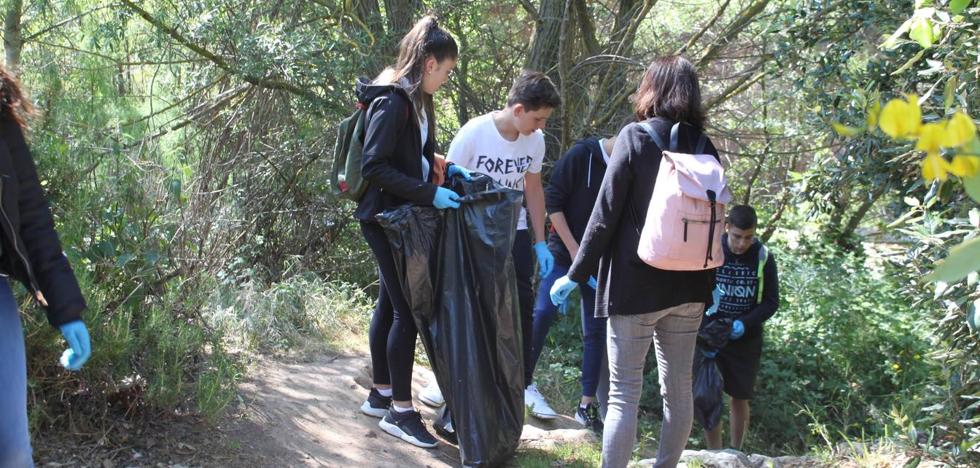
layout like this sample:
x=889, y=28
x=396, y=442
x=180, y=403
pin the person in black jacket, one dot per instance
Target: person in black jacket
x=398, y=164
x=748, y=299
x=569, y=198
x=31, y=253
x=644, y=303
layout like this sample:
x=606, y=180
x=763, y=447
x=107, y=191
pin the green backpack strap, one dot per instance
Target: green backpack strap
x=763, y=259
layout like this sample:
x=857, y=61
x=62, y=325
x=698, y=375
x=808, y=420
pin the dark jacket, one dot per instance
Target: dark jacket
x=31, y=250
x=393, y=149
x=627, y=285
x=738, y=281
x=572, y=190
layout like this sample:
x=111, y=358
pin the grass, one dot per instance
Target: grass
x=563, y=455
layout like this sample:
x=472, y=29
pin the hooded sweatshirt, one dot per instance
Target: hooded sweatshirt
x=572, y=190
x=391, y=164
x=737, y=287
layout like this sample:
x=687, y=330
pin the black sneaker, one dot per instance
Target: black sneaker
x=408, y=426
x=589, y=417
x=376, y=405
x=446, y=431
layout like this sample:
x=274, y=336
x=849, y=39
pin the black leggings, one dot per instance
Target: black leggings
x=393, y=332
x=524, y=270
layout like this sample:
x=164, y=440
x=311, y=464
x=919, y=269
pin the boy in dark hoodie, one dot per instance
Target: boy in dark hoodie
x=569, y=198
x=747, y=292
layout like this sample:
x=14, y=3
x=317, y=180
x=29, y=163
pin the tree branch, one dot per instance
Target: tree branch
x=707, y=26
x=741, y=22
x=531, y=11
x=221, y=62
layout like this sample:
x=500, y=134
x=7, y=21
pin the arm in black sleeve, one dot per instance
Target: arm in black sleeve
x=561, y=182
x=55, y=278
x=770, y=296
x=387, y=115
x=613, y=195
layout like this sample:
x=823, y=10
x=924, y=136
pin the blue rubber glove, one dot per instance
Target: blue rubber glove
x=593, y=283
x=738, y=329
x=561, y=289
x=546, y=261
x=709, y=354
x=80, y=347
x=461, y=171
x=445, y=198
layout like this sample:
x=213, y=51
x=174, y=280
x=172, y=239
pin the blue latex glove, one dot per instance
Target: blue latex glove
x=561, y=289
x=563, y=308
x=80, y=347
x=593, y=283
x=461, y=171
x=709, y=354
x=445, y=198
x=546, y=261
x=738, y=329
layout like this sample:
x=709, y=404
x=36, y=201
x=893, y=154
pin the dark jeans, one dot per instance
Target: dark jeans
x=392, y=334
x=593, y=329
x=524, y=270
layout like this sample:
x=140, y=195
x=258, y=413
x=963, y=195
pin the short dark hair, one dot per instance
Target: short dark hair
x=670, y=89
x=742, y=217
x=534, y=90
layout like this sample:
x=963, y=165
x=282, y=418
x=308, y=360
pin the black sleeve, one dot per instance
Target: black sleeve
x=562, y=181
x=54, y=275
x=770, y=296
x=387, y=115
x=613, y=195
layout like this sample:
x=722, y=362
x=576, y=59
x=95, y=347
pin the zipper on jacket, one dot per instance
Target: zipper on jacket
x=23, y=258
x=685, y=229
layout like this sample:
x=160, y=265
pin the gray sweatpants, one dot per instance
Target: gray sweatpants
x=673, y=332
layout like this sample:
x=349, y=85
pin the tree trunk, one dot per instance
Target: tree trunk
x=402, y=15
x=13, y=42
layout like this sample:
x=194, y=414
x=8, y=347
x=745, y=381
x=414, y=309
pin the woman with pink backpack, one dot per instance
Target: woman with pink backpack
x=644, y=303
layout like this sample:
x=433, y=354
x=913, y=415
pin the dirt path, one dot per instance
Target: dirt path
x=293, y=412
x=308, y=411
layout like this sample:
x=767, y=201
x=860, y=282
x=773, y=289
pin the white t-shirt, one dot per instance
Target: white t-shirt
x=424, y=133
x=480, y=147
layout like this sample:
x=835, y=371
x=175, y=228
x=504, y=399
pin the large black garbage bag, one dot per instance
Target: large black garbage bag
x=458, y=274
x=479, y=321
x=412, y=232
x=712, y=337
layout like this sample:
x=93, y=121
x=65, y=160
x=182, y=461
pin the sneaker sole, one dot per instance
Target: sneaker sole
x=397, y=432
x=431, y=403
x=369, y=410
x=579, y=420
x=543, y=416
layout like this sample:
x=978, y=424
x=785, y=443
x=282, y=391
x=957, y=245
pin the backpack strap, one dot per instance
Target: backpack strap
x=675, y=132
x=763, y=259
x=656, y=137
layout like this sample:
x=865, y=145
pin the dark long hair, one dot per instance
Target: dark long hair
x=13, y=101
x=425, y=40
x=670, y=89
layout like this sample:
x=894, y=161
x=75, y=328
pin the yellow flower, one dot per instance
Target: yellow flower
x=965, y=166
x=931, y=136
x=873, y=113
x=959, y=130
x=934, y=167
x=901, y=119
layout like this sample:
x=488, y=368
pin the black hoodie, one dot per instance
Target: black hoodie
x=393, y=150
x=737, y=283
x=572, y=190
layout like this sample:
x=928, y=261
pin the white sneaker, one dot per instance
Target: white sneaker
x=536, y=404
x=431, y=395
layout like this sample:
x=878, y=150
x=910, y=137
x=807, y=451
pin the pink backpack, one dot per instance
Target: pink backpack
x=683, y=227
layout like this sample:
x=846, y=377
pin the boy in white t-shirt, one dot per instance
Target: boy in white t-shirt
x=508, y=145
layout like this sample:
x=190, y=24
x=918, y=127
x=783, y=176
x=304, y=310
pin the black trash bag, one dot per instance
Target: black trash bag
x=714, y=335
x=708, y=384
x=479, y=317
x=464, y=302
x=412, y=233
x=707, y=391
